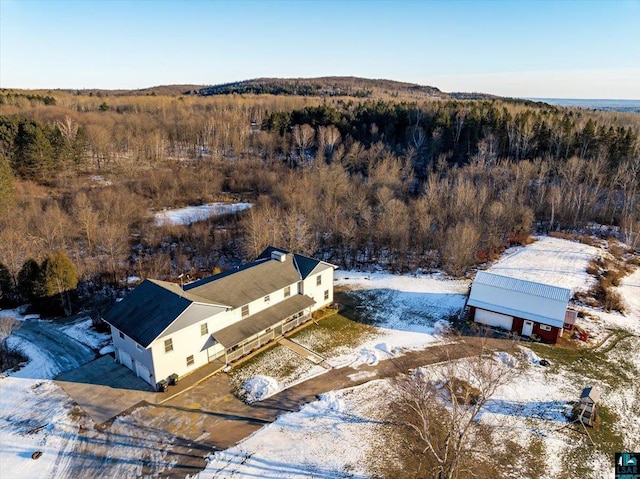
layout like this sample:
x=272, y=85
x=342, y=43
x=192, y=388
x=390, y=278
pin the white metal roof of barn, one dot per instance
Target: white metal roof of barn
x=523, y=286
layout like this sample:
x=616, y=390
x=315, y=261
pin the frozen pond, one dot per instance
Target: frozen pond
x=192, y=214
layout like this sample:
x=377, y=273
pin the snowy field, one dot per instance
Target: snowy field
x=325, y=439
x=550, y=260
x=193, y=214
x=341, y=434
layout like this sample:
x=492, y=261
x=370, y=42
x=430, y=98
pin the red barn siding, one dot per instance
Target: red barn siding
x=546, y=336
x=516, y=327
x=518, y=323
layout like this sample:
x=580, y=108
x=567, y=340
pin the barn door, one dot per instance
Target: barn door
x=527, y=328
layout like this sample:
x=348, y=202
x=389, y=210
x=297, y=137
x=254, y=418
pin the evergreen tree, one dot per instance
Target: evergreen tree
x=33, y=158
x=30, y=281
x=6, y=182
x=59, y=278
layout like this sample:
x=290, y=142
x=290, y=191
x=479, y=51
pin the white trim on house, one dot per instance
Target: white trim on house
x=156, y=312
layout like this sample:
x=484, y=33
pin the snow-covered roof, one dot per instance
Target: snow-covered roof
x=539, y=302
x=523, y=286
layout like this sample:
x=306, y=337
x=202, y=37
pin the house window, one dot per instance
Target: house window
x=190, y=360
x=318, y=280
x=266, y=299
x=204, y=329
x=544, y=327
x=168, y=345
x=287, y=291
x=245, y=311
x=140, y=348
x=326, y=294
x=121, y=334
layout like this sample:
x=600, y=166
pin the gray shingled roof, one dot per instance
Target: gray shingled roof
x=148, y=310
x=242, y=330
x=304, y=264
x=158, y=307
x=248, y=283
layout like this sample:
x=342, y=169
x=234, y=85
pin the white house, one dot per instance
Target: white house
x=524, y=307
x=161, y=329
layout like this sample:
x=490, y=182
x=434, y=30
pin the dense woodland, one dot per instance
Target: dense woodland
x=382, y=180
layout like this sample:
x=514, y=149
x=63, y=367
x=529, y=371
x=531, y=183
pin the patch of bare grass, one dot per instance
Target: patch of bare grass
x=334, y=335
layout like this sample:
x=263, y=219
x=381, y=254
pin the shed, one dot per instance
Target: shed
x=590, y=395
x=589, y=398
x=525, y=307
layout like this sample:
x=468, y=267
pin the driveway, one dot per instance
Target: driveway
x=56, y=351
x=172, y=436
x=209, y=417
x=104, y=389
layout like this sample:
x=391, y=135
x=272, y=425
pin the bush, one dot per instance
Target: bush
x=594, y=268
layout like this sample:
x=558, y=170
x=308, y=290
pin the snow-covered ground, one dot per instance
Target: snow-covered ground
x=192, y=214
x=341, y=434
x=83, y=333
x=550, y=260
x=323, y=440
x=531, y=408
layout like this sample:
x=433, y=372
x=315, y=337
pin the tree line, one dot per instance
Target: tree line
x=438, y=184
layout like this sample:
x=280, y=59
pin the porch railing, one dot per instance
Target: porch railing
x=251, y=345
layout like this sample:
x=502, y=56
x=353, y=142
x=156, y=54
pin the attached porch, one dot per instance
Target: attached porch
x=259, y=329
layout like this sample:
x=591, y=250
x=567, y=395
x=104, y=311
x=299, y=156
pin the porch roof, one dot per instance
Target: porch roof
x=243, y=330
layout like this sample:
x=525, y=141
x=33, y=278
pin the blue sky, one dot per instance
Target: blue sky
x=567, y=49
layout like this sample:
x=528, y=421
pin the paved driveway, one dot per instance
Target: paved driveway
x=104, y=389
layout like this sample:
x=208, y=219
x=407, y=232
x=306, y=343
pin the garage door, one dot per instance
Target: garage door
x=143, y=372
x=125, y=359
x=494, y=319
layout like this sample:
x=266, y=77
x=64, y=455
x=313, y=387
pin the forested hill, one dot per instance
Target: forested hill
x=324, y=86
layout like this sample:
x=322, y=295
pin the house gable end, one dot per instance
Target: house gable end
x=146, y=311
x=194, y=314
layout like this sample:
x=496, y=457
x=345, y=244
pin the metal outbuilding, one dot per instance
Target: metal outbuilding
x=524, y=307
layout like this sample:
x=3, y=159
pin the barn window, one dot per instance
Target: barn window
x=287, y=291
x=318, y=280
x=544, y=327
x=190, y=360
x=168, y=345
x=326, y=294
x=121, y=334
x=204, y=329
x=245, y=311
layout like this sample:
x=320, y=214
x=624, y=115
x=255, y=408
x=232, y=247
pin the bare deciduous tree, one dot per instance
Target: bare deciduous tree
x=439, y=407
x=303, y=138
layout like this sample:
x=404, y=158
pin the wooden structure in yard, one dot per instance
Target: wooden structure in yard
x=587, y=406
x=584, y=411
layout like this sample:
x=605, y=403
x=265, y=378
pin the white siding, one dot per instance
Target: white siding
x=315, y=291
x=185, y=343
x=520, y=304
x=137, y=355
x=494, y=319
